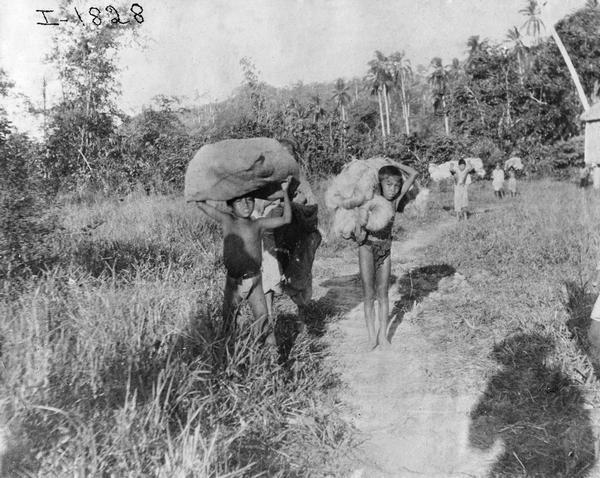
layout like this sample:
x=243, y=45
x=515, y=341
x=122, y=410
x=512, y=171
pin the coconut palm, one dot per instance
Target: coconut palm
x=533, y=12
x=400, y=72
x=514, y=36
x=378, y=68
x=473, y=44
x=316, y=108
x=438, y=79
x=374, y=86
x=534, y=23
x=341, y=96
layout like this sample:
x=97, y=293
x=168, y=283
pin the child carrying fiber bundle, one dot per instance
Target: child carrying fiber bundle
x=374, y=255
x=368, y=209
x=462, y=179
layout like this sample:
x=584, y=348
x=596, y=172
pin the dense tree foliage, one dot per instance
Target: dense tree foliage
x=513, y=97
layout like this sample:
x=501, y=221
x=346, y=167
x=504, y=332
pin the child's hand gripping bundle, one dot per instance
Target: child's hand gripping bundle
x=354, y=197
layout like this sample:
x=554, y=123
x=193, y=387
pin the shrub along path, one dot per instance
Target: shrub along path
x=437, y=403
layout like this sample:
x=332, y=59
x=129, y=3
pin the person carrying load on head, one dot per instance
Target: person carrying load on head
x=237, y=172
x=243, y=257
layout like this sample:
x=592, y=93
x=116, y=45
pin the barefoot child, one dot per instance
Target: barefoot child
x=461, y=183
x=374, y=254
x=242, y=255
x=512, y=182
x=498, y=180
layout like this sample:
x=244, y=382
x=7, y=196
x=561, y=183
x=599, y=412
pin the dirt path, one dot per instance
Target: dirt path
x=410, y=427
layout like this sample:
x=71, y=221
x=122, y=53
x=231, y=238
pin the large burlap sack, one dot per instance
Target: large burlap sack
x=235, y=167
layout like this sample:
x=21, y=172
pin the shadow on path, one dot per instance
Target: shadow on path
x=536, y=411
x=413, y=287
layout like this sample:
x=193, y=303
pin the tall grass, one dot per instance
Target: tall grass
x=114, y=365
x=521, y=327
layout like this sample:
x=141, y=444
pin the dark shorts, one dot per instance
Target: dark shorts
x=381, y=250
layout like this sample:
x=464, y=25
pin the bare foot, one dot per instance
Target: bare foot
x=372, y=344
x=384, y=342
x=271, y=341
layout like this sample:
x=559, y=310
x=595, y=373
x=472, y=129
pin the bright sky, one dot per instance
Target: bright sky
x=193, y=47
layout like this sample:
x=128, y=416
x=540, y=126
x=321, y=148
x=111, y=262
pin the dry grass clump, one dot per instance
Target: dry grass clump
x=114, y=364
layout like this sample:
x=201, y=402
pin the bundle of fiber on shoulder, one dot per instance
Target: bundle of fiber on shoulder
x=439, y=172
x=514, y=162
x=354, y=197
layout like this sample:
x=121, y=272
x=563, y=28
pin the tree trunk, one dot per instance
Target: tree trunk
x=508, y=116
x=446, y=123
x=572, y=71
x=381, y=114
x=387, y=108
x=405, y=110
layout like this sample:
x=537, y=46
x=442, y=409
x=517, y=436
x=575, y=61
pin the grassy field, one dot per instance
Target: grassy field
x=113, y=362
x=518, y=336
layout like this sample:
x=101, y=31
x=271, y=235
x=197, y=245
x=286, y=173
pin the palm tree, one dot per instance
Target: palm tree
x=316, y=108
x=438, y=79
x=372, y=82
x=400, y=72
x=341, y=96
x=534, y=22
x=473, y=44
x=591, y=4
x=378, y=67
x=533, y=12
x=514, y=36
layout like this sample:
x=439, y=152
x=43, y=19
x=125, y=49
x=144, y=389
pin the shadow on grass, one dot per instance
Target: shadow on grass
x=579, y=304
x=414, y=286
x=536, y=411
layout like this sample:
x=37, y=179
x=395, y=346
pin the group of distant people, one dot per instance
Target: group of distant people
x=498, y=180
x=462, y=179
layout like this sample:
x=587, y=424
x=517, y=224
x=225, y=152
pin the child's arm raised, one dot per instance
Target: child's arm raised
x=212, y=211
x=275, y=222
x=412, y=175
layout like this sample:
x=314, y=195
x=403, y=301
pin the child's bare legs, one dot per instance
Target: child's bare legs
x=258, y=304
x=235, y=292
x=231, y=303
x=367, y=274
x=269, y=302
x=382, y=280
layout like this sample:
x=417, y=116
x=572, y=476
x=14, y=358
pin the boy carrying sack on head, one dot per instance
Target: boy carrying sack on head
x=374, y=254
x=242, y=255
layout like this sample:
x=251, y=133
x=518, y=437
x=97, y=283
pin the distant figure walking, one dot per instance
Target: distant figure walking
x=583, y=176
x=512, y=182
x=498, y=181
x=462, y=179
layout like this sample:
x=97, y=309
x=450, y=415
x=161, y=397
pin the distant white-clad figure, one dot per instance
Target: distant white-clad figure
x=498, y=180
x=596, y=176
